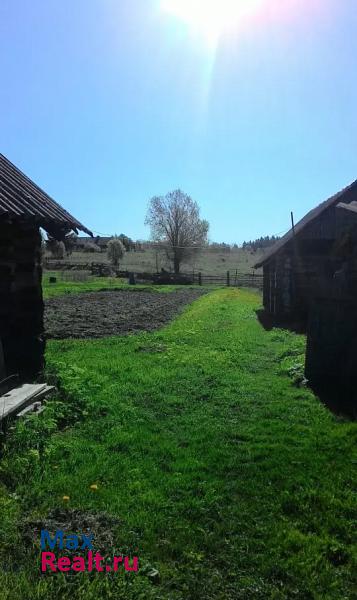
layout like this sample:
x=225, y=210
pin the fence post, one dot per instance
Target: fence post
x=199, y=279
x=228, y=279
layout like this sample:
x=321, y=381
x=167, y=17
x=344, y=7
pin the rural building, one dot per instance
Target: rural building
x=24, y=209
x=303, y=263
x=310, y=281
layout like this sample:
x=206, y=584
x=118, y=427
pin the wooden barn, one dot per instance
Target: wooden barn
x=24, y=209
x=331, y=353
x=303, y=264
x=310, y=282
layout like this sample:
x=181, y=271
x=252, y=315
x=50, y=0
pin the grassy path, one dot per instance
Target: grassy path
x=227, y=479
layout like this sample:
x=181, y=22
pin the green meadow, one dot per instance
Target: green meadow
x=227, y=479
x=91, y=284
x=209, y=260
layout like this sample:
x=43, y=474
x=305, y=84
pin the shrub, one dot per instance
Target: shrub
x=57, y=249
x=91, y=247
x=115, y=251
x=296, y=372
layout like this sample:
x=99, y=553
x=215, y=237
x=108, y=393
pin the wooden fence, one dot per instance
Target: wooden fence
x=232, y=278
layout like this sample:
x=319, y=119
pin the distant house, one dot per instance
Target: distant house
x=303, y=263
x=24, y=209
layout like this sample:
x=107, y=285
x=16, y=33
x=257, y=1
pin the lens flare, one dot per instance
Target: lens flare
x=210, y=18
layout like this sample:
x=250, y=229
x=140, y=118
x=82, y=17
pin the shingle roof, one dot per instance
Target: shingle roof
x=21, y=198
x=308, y=218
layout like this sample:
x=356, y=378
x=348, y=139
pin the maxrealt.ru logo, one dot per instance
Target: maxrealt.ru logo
x=91, y=561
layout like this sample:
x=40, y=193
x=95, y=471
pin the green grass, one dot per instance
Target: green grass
x=227, y=479
x=93, y=284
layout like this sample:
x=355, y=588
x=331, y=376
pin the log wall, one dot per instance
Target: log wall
x=331, y=355
x=21, y=304
x=301, y=271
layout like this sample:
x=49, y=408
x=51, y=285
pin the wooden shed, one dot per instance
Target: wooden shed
x=24, y=209
x=310, y=283
x=302, y=265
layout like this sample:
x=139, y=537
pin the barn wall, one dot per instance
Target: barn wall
x=278, y=285
x=296, y=275
x=331, y=356
x=312, y=282
x=266, y=286
x=21, y=304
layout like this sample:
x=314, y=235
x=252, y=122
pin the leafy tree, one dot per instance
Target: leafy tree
x=128, y=243
x=176, y=225
x=56, y=248
x=91, y=247
x=115, y=250
x=70, y=242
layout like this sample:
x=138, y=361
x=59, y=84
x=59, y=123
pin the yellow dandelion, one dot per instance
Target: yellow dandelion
x=94, y=487
x=65, y=498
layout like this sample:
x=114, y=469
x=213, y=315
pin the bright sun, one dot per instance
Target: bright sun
x=210, y=18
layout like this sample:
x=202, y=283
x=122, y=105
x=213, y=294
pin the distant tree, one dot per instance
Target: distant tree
x=70, y=242
x=56, y=248
x=219, y=247
x=260, y=244
x=91, y=247
x=59, y=250
x=176, y=225
x=128, y=243
x=115, y=250
x=43, y=246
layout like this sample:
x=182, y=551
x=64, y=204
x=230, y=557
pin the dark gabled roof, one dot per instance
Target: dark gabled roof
x=21, y=198
x=350, y=207
x=306, y=220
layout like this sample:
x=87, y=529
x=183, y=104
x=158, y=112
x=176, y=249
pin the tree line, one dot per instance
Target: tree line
x=261, y=243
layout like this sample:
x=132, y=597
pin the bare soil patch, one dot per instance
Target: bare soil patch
x=73, y=521
x=100, y=314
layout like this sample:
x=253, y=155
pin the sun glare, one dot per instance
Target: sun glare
x=210, y=18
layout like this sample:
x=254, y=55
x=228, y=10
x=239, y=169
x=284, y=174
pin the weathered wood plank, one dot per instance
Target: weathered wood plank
x=35, y=408
x=19, y=398
x=45, y=393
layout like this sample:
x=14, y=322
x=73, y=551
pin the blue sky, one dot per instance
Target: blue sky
x=105, y=103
